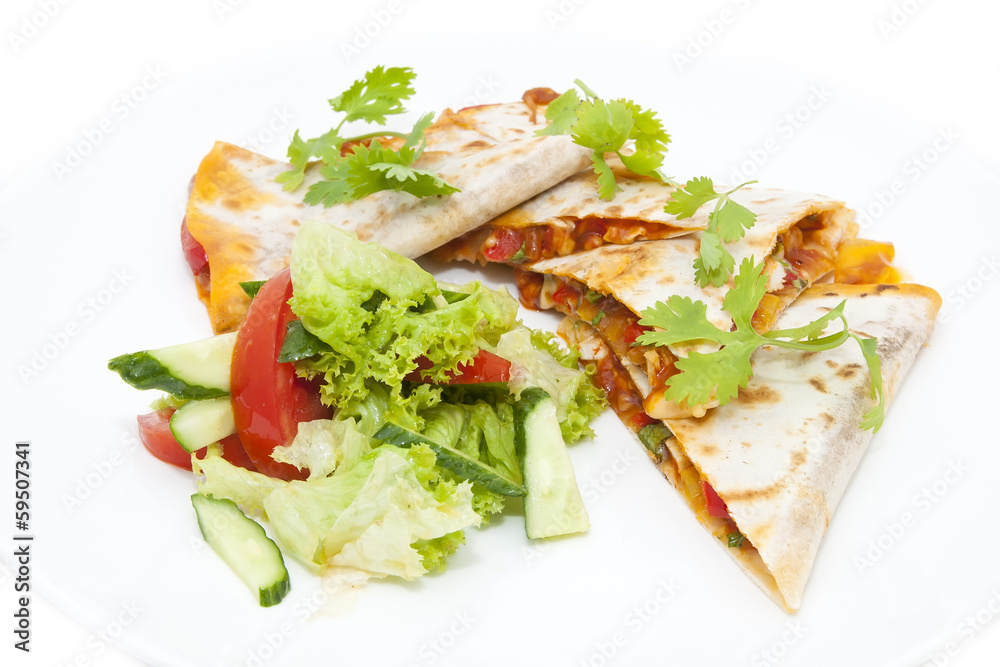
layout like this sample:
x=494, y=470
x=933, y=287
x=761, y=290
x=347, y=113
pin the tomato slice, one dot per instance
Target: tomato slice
x=716, y=505
x=194, y=252
x=503, y=244
x=484, y=367
x=268, y=399
x=154, y=431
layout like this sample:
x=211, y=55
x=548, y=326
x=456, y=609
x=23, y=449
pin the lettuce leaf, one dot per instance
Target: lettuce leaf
x=538, y=361
x=382, y=513
x=324, y=446
x=379, y=312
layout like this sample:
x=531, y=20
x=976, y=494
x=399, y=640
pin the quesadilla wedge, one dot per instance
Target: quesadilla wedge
x=570, y=217
x=246, y=221
x=610, y=285
x=764, y=473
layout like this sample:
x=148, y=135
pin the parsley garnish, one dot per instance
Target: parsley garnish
x=722, y=373
x=372, y=168
x=617, y=126
x=727, y=223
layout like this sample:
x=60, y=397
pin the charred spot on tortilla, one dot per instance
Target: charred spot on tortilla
x=848, y=371
x=831, y=363
x=828, y=418
x=818, y=384
x=882, y=288
x=472, y=145
x=757, y=394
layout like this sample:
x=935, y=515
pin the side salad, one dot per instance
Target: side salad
x=369, y=414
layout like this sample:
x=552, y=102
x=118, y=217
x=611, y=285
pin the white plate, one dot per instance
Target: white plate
x=93, y=269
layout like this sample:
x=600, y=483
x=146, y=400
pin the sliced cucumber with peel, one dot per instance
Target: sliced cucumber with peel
x=197, y=424
x=242, y=543
x=193, y=371
x=448, y=426
x=553, y=505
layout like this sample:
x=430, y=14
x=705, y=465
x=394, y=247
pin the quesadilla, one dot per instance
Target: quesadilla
x=764, y=473
x=610, y=285
x=570, y=218
x=245, y=221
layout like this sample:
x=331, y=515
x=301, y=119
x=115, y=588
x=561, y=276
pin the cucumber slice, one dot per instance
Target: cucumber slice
x=553, y=504
x=448, y=457
x=198, y=424
x=242, y=543
x=194, y=371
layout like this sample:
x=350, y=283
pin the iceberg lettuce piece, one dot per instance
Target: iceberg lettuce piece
x=323, y=446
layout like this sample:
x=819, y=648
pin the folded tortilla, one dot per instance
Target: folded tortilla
x=570, y=217
x=611, y=285
x=781, y=454
x=246, y=222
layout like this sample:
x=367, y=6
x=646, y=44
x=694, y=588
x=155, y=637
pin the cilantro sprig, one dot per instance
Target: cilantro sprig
x=728, y=222
x=372, y=168
x=721, y=374
x=616, y=126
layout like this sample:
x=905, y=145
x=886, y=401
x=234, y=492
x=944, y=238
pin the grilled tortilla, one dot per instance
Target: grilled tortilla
x=781, y=454
x=245, y=221
x=611, y=285
x=569, y=218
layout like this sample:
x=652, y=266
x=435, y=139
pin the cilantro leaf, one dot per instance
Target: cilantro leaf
x=379, y=94
x=680, y=319
x=869, y=348
x=617, y=126
x=364, y=169
x=719, y=375
x=377, y=168
x=561, y=114
x=749, y=287
x=606, y=185
x=714, y=264
x=685, y=201
x=732, y=220
x=603, y=126
x=416, y=136
x=728, y=222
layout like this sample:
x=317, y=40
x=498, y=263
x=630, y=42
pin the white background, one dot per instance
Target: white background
x=64, y=65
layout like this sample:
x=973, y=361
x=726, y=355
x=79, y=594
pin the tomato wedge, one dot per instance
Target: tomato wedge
x=154, y=431
x=484, y=367
x=268, y=399
x=716, y=505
